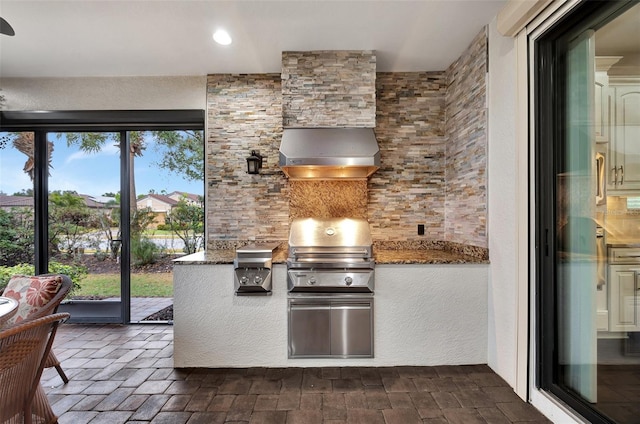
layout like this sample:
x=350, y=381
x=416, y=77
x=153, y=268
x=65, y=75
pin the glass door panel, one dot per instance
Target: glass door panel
x=588, y=195
x=576, y=257
x=617, y=53
x=84, y=220
x=16, y=204
x=167, y=220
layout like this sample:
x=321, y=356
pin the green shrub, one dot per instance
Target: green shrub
x=16, y=236
x=143, y=251
x=75, y=272
x=100, y=255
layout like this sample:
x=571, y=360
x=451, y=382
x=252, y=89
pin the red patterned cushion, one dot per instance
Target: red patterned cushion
x=32, y=293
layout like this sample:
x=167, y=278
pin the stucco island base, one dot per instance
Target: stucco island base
x=424, y=315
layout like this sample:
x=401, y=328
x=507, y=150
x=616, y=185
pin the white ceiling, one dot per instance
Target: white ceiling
x=71, y=38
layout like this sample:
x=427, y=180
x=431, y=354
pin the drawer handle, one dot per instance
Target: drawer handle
x=628, y=256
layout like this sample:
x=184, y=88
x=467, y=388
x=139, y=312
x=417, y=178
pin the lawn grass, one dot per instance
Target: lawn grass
x=142, y=285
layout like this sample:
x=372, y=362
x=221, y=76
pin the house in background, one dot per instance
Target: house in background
x=9, y=202
x=190, y=198
x=161, y=204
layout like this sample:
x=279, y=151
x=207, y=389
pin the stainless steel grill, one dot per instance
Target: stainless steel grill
x=330, y=255
x=330, y=277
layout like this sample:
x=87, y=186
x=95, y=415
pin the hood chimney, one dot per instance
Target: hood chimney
x=329, y=112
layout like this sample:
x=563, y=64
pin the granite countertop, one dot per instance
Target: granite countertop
x=383, y=253
x=424, y=256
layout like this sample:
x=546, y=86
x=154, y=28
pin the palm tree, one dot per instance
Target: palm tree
x=24, y=143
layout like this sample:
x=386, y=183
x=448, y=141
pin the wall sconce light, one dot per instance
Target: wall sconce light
x=254, y=163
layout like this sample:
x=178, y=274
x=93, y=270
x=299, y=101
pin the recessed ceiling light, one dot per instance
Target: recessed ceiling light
x=222, y=37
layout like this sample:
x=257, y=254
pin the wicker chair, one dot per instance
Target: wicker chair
x=50, y=308
x=23, y=350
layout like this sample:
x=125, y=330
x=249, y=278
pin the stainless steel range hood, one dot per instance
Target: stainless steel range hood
x=329, y=153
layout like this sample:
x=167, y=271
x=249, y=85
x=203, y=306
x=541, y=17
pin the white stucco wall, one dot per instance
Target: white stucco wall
x=125, y=93
x=502, y=285
x=423, y=315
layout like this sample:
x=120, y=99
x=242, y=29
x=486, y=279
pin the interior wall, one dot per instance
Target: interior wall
x=125, y=93
x=502, y=201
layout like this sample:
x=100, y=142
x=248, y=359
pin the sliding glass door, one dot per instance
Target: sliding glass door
x=116, y=197
x=587, y=225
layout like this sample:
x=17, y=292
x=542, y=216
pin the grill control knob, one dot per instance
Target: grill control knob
x=348, y=280
x=258, y=279
x=244, y=280
x=312, y=280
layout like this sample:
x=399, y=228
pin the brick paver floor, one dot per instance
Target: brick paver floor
x=125, y=374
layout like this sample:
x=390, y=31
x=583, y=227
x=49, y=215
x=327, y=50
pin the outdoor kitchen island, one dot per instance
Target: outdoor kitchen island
x=430, y=309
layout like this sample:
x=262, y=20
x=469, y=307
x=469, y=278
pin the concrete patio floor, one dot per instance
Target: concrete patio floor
x=125, y=374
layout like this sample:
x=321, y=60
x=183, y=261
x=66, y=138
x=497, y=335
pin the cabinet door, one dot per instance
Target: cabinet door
x=627, y=138
x=602, y=106
x=309, y=329
x=624, y=301
x=351, y=332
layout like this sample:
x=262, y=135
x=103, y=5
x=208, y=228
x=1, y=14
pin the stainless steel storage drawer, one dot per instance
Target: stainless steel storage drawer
x=330, y=327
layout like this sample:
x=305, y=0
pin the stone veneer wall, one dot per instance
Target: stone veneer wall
x=466, y=152
x=408, y=189
x=334, y=88
x=244, y=113
x=431, y=127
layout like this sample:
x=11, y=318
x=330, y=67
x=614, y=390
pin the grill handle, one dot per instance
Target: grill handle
x=316, y=251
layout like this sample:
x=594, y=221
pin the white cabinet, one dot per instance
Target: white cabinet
x=624, y=146
x=602, y=115
x=624, y=298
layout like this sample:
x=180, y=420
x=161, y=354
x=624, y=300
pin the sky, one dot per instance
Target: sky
x=91, y=173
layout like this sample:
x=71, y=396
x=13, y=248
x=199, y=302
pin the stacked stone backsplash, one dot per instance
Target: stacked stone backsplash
x=431, y=128
x=244, y=113
x=409, y=187
x=466, y=152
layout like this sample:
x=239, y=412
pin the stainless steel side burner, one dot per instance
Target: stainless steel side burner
x=252, y=269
